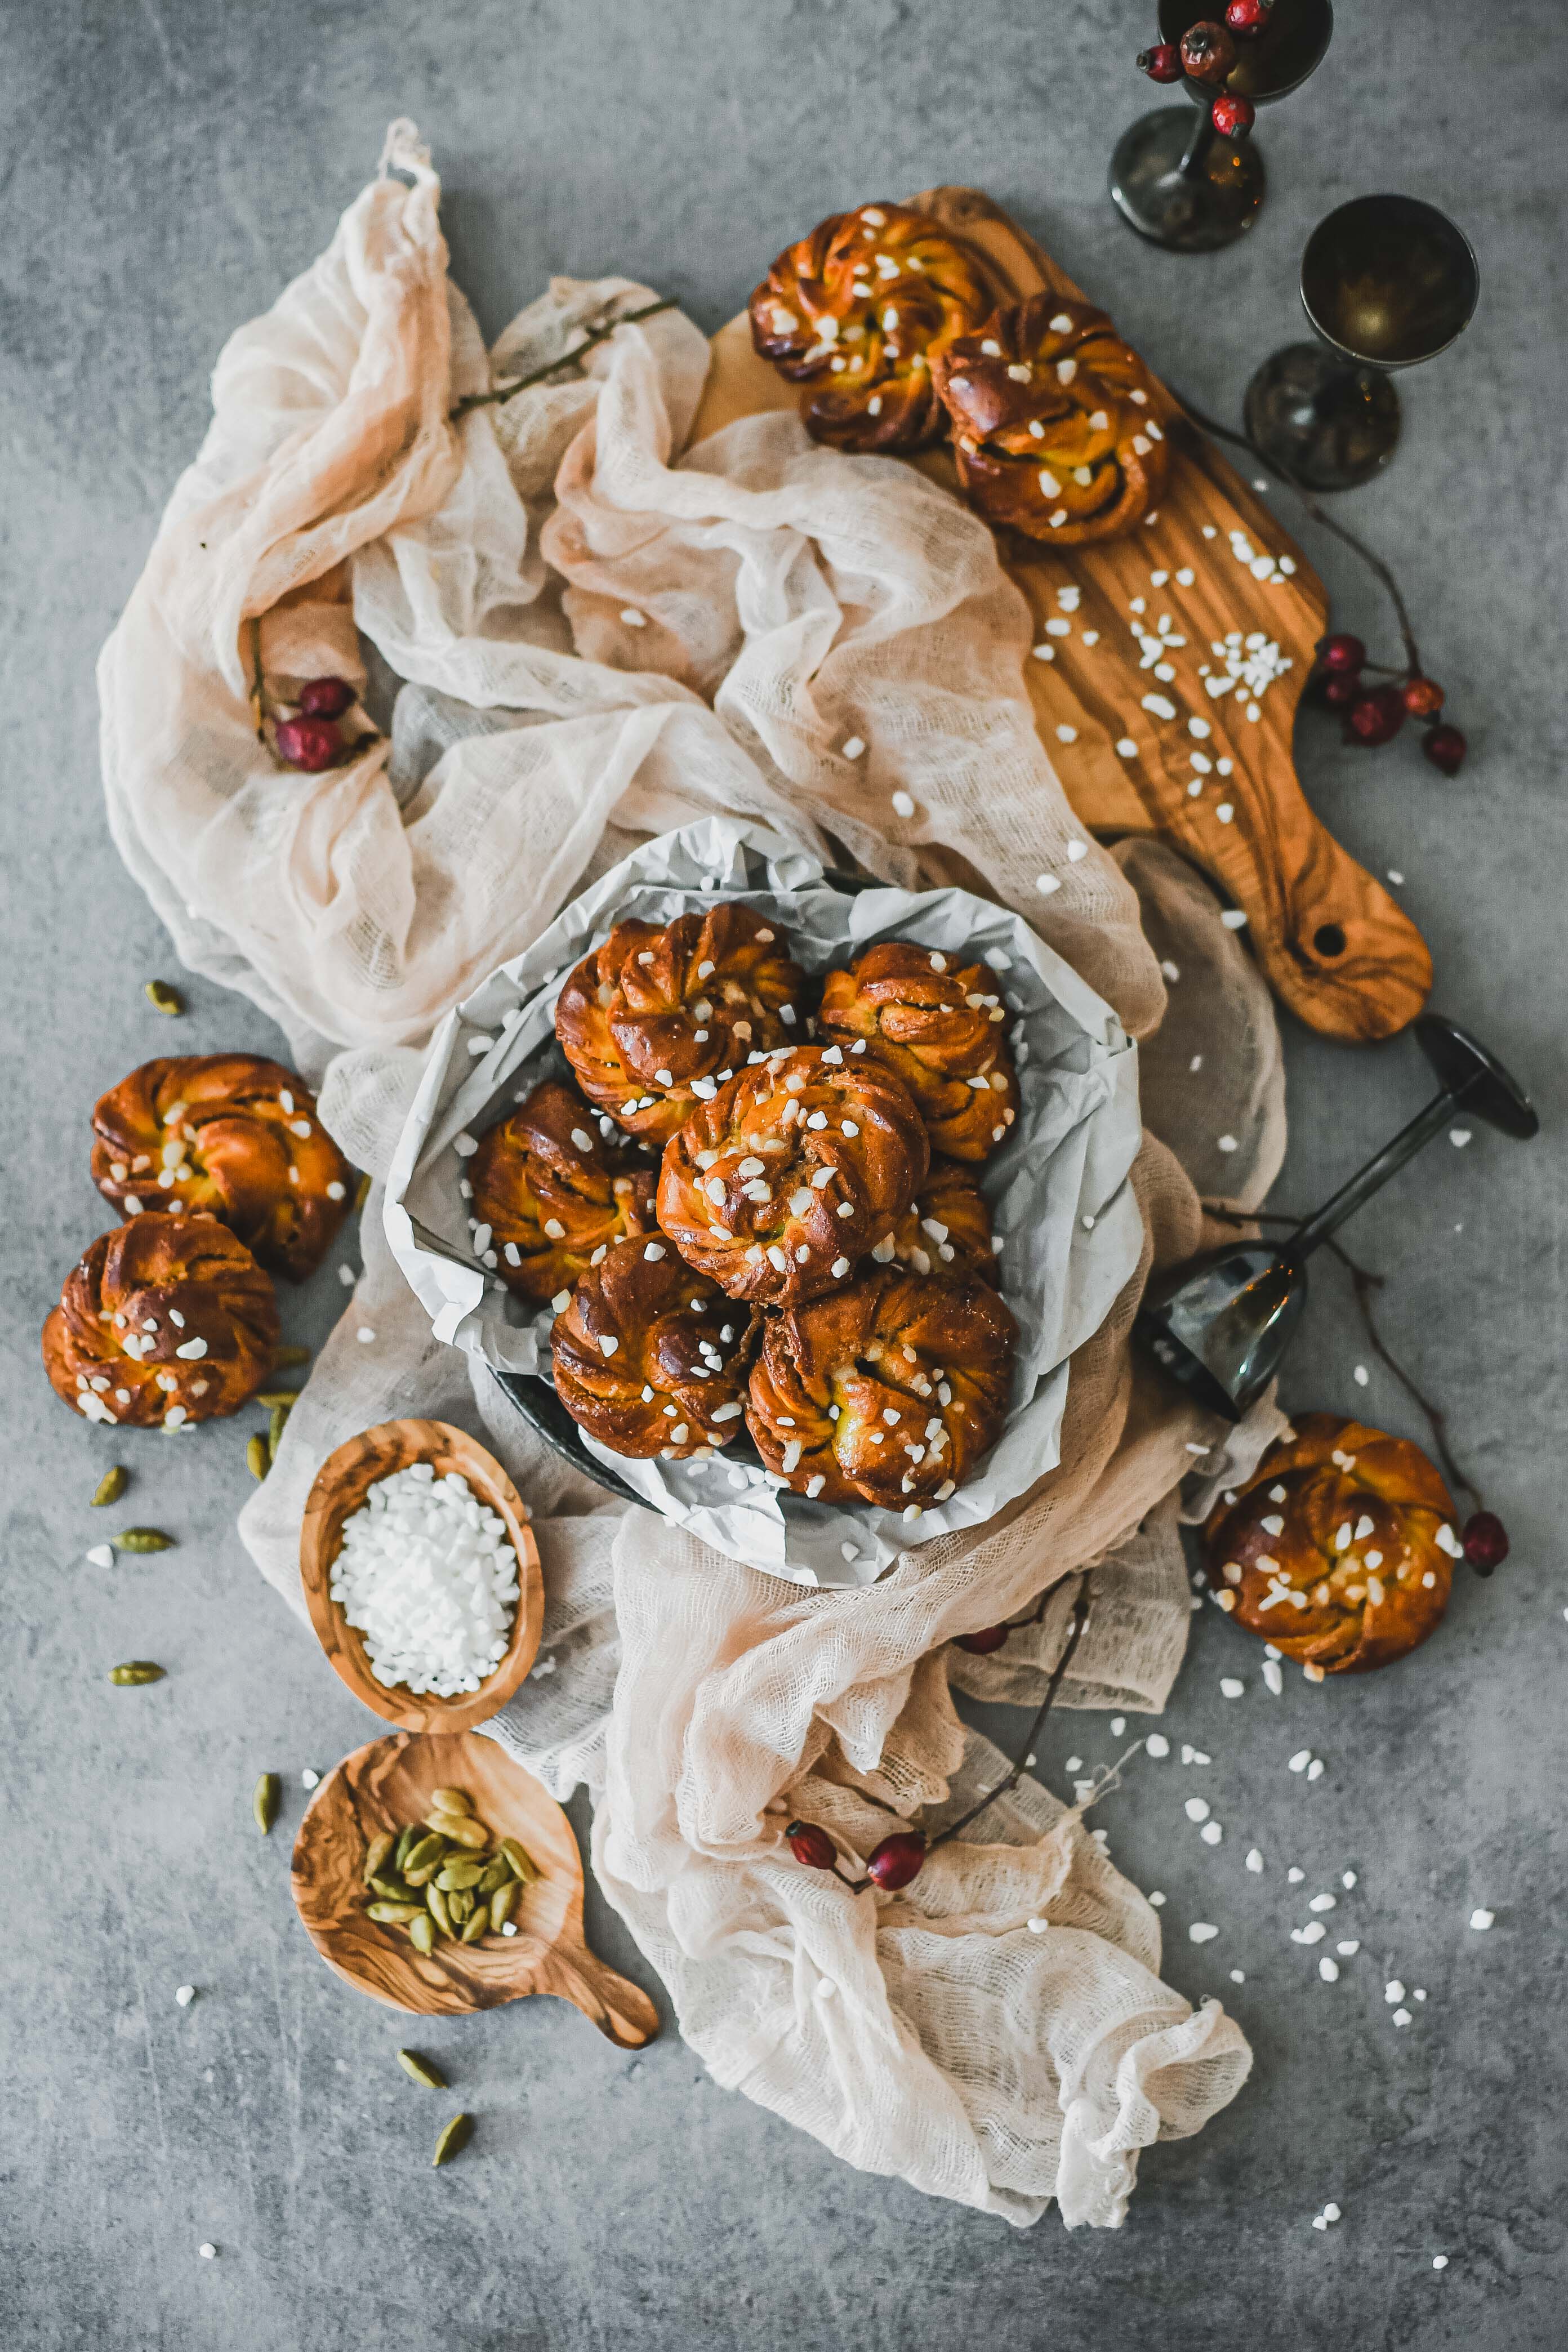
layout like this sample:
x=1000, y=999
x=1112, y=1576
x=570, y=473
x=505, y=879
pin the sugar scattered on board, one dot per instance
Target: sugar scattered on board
x=426, y=1575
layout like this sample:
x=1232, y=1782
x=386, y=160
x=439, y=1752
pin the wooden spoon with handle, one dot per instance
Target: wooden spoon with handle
x=1212, y=562
x=389, y=1784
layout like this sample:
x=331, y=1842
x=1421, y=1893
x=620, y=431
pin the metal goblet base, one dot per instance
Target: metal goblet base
x=1327, y=423
x=1210, y=204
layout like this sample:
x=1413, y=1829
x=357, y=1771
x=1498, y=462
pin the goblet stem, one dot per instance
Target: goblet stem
x=1371, y=1179
x=1193, y=161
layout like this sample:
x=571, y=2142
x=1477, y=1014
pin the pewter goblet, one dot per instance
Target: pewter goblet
x=1386, y=282
x=1220, y=1326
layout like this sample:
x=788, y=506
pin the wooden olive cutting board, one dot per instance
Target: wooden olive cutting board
x=1158, y=714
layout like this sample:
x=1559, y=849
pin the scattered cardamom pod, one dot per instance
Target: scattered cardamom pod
x=477, y=1924
x=450, y=1800
x=496, y=1873
x=461, y=1907
x=292, y=1355
x=522, y=1863
x=456, y=2136
x=275, y=1430
x=136, y=1670
x=397, y=1890
x=375, y=1855
x=361, y=1193
x=502, y=1904
x=463, y=1830
x=165, y=999
x=407, y=1840
x=423, y=2070
x=422, y=1932
x=439, y=1911
x=428, y=1851
x=274, y=1398
x=264, y=1801
x=259, y=1457
x=396, y=1915
x=457, y=1874
x=111, y=1486
x=143, y=1540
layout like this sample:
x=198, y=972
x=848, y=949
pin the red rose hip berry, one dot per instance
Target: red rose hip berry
x=1375, y=717
x=981, y=1644
x=1341, y=688
x=1232, y=117
x=1161, y=63
x=1485, y=1539
x=896, y=1861
x=1423, y=697
x=325, y=698
x=1246, y=18
x=1208, y=53
x=1342, y=652
x=309, y=743
x=1446, y=748
x=809, y=1842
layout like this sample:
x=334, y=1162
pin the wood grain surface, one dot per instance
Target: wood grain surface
x=1336, y=948
x=389, y=1784
x=340, y=1487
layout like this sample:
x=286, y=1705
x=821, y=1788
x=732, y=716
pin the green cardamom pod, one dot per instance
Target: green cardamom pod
x=423, y=2070
x=136, y=1670
x=275, y=1429
x=460, y=1907
x=450, y=1800
x=425, y=1852
x=393, y=1915
x=361, y=1193
x=397, y=1890
x=165, y=999
x=143, y=1540
x=495, y=1874
x=422, y=1932
x=476, y=1924
x=111, y=1486
x=257, y=1457
x=439, y=1911
x=459, y=1875
x=456, y=2136
x=522, y=1863
x=276, y=1398
x=375, y=1855
x=461, y=1829
x=501, y=1904
x=264, y=1800
x=292, y=1356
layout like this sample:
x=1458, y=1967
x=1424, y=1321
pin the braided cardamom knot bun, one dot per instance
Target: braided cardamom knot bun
x=778, y=1186
x=167, y=1320
x=1054, y=423
x=945, y=1229
x=940, y=1025
x=232, y=1135
x=1339, y=1549
x=868, y=303
x=890, y=1392
x=555, y=1195
x=649, y=1356
x=656, y=1020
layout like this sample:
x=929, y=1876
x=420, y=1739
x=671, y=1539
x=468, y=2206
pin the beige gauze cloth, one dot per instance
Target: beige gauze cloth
x=595, y=634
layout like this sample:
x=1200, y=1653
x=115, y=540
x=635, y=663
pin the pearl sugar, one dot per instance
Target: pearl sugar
x=425, y=1576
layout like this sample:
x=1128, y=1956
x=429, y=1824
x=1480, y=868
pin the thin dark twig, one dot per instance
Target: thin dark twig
x=600, y=334
x=1364, y=1282
x=1320, y=514
x=1079, y=1615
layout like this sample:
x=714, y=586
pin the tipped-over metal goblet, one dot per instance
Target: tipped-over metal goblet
x=1179, y=183
x=1386, y=282
x=1221, y=1326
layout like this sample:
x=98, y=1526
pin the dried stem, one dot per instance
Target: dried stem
x=599, y=334
x=1079, y=1615
x=1364, y=1282
x=1320, y=514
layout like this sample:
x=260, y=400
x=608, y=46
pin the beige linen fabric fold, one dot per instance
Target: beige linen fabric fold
x=601, y=633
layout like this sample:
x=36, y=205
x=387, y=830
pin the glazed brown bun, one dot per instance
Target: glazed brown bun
x=780, y=1184
x=1057, y=424
x=1339, y=1549
x=939, y=1025
x=649, y=1357
x=945, y=1231
x=554, y=1193
x=890, y=1392
x=166, y=1321
x=865, y=305
x=232, y=1135
x=656, y=1021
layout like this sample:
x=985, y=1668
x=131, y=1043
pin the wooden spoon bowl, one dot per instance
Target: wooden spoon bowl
x=342, y=1484
x=389, y=1784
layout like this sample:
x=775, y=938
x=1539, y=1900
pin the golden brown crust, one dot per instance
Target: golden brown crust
x=167, y=1320
x=1056, y=422
x=233, y=1136
x=552, y=1191
x=917, y=1372
x=867, y=302
x=946, y=1229
x=656, y=1020
x=778, y=1186
x=941, y=1026
x=1330, y=1550
x=649, y=1356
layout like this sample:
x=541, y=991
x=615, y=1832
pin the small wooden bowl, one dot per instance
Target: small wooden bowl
x=342, y=1484
x=389, y=1784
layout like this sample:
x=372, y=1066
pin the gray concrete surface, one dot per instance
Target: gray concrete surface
x=167, y=167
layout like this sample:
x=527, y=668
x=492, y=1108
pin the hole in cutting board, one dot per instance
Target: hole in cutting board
x=1329, y=939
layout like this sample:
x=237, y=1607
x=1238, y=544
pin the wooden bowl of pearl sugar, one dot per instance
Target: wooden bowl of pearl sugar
x=421, y=1575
